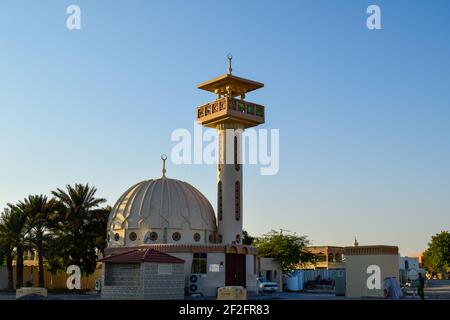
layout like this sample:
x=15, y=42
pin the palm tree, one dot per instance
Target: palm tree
x=7, y=255
x=99, y=226
x=13, y=229
x=78, y=221
x=78, y=201
x=6, y=251
x=40, y=212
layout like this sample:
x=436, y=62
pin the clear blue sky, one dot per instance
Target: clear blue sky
x=364, y=116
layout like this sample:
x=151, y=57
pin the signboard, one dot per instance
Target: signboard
x=214, y=268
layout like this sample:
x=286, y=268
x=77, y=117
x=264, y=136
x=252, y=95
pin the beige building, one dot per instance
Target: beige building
x=271, y=270
x=327, y=257
x=361, y=262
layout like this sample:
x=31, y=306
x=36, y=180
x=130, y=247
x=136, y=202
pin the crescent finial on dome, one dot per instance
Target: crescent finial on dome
x=164, y=158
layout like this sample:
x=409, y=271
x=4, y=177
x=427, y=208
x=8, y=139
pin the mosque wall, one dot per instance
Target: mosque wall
x=214, y=279
x=211, y=280
x=251, y=273
x=139, y=236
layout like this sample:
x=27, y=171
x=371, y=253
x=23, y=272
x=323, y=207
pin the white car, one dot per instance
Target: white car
x=267, y=286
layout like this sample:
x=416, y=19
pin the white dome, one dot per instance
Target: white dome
x=161, y=211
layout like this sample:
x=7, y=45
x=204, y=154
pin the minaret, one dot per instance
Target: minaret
x=230, y=116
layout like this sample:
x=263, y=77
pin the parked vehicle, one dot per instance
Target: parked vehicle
x=267, y=286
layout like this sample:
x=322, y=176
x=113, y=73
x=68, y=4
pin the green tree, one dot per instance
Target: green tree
x=13, y=230
x=81, y=229
x=287, y=249
x=436, y=258
x=41, y=213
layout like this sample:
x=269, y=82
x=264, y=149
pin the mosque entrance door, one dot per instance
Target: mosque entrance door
x=235, y=269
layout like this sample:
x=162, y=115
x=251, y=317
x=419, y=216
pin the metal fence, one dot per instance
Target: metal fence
x=311, y=275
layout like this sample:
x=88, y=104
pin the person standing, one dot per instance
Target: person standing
x=420, y=286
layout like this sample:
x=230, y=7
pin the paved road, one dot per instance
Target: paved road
x=434, y=289
x=56, y=296
x=437, y=289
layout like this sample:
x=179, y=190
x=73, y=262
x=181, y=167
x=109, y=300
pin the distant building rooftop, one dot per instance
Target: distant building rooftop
x=371, y=250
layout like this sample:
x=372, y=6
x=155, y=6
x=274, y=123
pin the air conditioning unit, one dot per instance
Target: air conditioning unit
x=196, y=283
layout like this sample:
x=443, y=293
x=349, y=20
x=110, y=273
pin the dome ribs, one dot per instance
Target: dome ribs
x=150, y=183
x=163, y=206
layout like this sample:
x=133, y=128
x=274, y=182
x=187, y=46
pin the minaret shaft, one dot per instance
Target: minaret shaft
x=229, y=185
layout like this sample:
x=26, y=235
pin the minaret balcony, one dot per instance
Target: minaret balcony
x=230, y=110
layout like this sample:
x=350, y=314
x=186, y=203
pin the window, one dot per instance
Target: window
x=330, y=257
x=321, y=257
x=164, y=268
x=236, y=164
x=176, y=236
x=133, y=236
x=238, y=238
x=219, y=200
x=220, y=238
x=150, y=236
x=237, y=200
x=199, y=263
x=197, y=237
x=221, y=138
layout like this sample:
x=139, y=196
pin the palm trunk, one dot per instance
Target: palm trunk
x=41, y=268
x=9, y=266
x=40, y=260
x=19, y=271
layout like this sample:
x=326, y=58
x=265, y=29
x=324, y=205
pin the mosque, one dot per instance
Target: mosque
x=173, y=222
